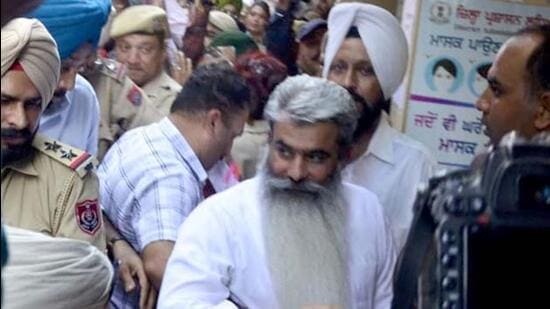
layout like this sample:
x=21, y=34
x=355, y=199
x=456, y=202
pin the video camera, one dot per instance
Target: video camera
x=480, y=237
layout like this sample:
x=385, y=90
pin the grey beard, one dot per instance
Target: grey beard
x=304, y=231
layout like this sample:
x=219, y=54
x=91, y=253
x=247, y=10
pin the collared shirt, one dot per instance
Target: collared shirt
x=54, y=192
x=74, y=119
x=162, y=92
x=150, y=180
x=220, y=253
x=392, y=168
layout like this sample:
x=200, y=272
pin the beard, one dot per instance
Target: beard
x=14, y=153
x=59, y=93
x=369, y=116
x=304, y=232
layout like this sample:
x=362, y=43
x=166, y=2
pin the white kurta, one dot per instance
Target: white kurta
x=393, y=167
x=220, y=253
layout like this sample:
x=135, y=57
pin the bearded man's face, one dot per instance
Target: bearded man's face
x=20, y=115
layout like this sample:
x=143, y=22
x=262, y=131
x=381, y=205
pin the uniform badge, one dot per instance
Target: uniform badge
x=134, y=96
x=158, y=24
x=87, y=216
x=69, y=155
x=53, y=146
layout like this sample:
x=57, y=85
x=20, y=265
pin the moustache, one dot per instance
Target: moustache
x=290, y=185
x=13, y=133
x=356, y=97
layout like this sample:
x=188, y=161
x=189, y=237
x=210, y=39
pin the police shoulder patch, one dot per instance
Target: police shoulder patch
x=134, y=95
x=88, y=217
x=78, y=160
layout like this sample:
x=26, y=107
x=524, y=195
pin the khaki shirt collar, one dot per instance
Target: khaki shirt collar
x=162, y=81
x=155, y=83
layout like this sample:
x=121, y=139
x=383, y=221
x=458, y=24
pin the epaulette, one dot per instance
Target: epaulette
x=78, y=160
x=111, y=68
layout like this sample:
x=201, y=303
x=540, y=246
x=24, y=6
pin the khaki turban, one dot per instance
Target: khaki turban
x=28, y=42
x=222, y=21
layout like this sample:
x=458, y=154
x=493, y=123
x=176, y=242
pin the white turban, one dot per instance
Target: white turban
x=222, y=21
x=382, y=36
x=48, y=272
x=28, y=42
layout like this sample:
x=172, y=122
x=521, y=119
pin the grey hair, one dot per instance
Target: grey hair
x=307, y=100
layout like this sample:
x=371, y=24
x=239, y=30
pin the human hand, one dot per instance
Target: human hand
x=151, y=300
x=182, y=68
x=129, y=267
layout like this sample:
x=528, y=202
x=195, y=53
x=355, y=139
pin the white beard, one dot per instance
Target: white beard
x=304, y=228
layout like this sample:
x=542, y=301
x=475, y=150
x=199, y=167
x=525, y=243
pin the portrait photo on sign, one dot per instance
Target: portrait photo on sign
x=444, y=75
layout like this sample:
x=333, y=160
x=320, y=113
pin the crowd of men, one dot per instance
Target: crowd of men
x=120, y=175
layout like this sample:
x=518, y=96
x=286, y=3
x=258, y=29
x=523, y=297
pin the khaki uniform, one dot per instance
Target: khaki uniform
x=123, y=104
x=162, y=91
x=55, y=192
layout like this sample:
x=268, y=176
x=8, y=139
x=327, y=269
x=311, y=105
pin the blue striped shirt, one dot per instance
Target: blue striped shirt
x=150, y=180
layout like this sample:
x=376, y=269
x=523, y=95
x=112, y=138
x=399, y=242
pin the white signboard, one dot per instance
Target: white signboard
x=454, y=39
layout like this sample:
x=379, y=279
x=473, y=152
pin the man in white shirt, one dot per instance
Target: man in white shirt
x=366, y=52
x=295, y=235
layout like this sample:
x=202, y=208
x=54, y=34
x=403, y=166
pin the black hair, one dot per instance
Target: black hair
x=213, y=86
x=538, y=63
x=353, y=33
x=369, y=116
x=447, y=64
x=264, y=6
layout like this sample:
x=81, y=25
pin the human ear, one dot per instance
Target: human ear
x=542, y=116
x=213, y=119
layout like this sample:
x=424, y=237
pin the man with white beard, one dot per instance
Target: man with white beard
x=295, y=236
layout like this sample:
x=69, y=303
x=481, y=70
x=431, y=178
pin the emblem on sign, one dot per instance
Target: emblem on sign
x=440, y=12
x=88, y=217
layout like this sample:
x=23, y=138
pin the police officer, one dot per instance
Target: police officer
x=47, y=186
x=76, y=27
x=140, y=32
x=123, y=105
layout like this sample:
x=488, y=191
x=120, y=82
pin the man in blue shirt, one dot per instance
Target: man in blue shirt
x=72, y=116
